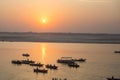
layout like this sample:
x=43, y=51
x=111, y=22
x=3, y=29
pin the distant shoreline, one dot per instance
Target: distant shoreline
x=63, y=42
x=57, y=33
x=60, y=37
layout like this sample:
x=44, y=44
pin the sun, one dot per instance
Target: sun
x=43, y=20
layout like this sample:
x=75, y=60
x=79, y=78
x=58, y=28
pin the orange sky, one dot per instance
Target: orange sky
x=61, y=16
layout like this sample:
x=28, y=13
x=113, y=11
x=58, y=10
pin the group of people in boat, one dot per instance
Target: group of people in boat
x=25, y=55
x=70, y=61
x=112, y=78
x=16, y=62
x=73, y=65
x=26, y=61
x=37, y=64
x=59, y=79
x=37, y=70
x=65, y=60
x=22, y=61
x=116, y=51
x=33, y=63
x=80, y=60
x=50, y=66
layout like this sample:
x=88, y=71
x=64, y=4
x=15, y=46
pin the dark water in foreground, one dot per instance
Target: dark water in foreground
x=101, y=61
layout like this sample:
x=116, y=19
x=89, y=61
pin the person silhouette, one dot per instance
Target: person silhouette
x=112, y=78
x=52, y=78
x=65, y=79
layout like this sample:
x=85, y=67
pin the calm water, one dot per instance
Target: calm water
x=101, y=61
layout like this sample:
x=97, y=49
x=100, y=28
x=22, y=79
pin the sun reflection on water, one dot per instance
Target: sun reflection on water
x=43, y=51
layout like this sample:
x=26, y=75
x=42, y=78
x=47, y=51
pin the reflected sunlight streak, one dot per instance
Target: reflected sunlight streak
x=43, y=49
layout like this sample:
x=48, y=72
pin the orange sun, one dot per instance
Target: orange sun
x=43, y=20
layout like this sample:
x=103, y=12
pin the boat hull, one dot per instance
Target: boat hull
x=113, y=78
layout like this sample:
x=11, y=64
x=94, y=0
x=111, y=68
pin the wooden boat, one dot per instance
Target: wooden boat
x=113, y=78
x=59, y=79
x=65, y=60
x=73, y=65
x=116, y=51
x=27, y=61
x=16, y=62
x=49, y=66
x=36, y=64
x=26, y=55
x=40, y=70
x=80, y=60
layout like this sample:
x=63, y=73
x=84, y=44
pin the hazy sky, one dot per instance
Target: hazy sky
x=83, y=16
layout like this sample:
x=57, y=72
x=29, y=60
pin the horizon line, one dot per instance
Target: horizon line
x=57, y=32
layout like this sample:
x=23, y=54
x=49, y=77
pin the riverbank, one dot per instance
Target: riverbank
x=60, y=37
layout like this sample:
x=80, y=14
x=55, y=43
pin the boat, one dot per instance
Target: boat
x=65, y=60
x=16, y=62
x=59, y=79
x=113, y=78
x=36, y=64
x=73, y=65
x=26, y=55
x=27, y=61
x=116, y=51
x=80, y=60
x=49, y=66
x=40, y=70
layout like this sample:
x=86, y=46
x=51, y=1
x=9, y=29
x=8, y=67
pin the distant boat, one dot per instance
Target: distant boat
x=80, y=60
x=65, y=60
x=18, y=62
x=26, y=55
x=116, y=51
x=36, y=64
x=27, y=61
x=40, y=70
x=73, y=65
x=113, y=78
x=49, y=66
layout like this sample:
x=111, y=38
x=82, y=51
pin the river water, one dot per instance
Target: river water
x=101, y=61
